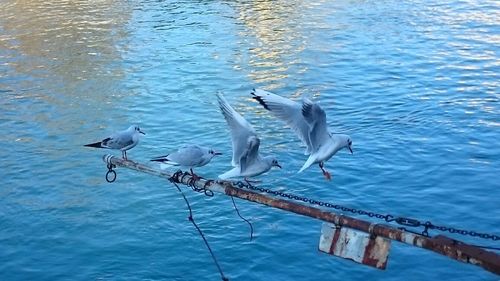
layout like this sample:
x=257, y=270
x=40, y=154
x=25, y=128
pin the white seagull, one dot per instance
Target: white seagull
x=246, y=159
x=308, y=120
x=188, y=156
x=123, y=140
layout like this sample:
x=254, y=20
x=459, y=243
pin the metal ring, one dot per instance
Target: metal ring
x=110, y=172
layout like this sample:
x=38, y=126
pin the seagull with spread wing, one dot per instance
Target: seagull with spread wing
x=308, y=121
x=246, y=161
x=123, y=140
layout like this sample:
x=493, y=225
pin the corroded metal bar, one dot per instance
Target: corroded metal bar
x=440, y=244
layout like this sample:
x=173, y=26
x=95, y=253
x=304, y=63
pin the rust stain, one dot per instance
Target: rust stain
x=374, y=255
x=335, y=239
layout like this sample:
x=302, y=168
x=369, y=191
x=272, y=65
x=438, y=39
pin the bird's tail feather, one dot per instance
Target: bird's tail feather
x=96, y=144
x=309, y=162
x=160, y=159
x=165, y=163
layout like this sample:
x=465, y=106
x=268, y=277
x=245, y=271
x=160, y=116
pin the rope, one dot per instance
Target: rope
x=178, y=177
x=191, y=219
x=247, y=221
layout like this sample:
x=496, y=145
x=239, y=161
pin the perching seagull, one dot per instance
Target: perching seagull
x=308, y=120
x=188, y=156
x=123, y=140
x=246, y=159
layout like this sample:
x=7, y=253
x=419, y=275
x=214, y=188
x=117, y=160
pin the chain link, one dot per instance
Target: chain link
x=387, y=217
x=464, y=232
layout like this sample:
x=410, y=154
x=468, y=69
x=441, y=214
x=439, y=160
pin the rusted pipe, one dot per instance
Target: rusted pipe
x=440, y=244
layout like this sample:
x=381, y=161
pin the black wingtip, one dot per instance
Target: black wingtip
x=160, y=159
x=260, y=100
x=306, y=109
x=221, y=100
x=96, y=144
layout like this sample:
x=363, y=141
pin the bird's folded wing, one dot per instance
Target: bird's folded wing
x=188, y=156
x=118, y=141
x=251, y=154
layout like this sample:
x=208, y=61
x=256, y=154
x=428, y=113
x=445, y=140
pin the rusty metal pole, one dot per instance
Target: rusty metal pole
x=440, y=244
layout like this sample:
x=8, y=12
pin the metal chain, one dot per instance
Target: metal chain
x=462, y=232
x=179, y=176
x=387, y=217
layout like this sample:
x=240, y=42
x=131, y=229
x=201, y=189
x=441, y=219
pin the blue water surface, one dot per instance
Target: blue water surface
x=415, y=83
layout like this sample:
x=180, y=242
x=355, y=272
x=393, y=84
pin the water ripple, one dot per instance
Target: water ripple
x=414, y=83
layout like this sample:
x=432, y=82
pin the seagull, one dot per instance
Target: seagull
x=189, y=156
x=308, y=121
x=123, y=140
x=246, y=161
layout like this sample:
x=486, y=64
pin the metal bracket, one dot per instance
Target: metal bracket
x=355, y=245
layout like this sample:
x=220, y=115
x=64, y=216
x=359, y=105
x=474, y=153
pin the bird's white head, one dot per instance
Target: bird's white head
x=273, y=161
x=135, y=128
x=345, y=141
x=212, y=153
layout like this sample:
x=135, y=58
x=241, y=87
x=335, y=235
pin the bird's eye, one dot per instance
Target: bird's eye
x=211, y=151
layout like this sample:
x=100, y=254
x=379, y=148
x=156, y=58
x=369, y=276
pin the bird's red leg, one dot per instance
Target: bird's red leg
x=327, y=175
x=195, y=176
x=249, y=182
x=124, y=154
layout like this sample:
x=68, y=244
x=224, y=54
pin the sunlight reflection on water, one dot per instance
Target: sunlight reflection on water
x=414, y=83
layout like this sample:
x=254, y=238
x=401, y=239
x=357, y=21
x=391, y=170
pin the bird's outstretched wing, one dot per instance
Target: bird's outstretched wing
x=286, y=110
x=240, y=129
x=315, y=117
